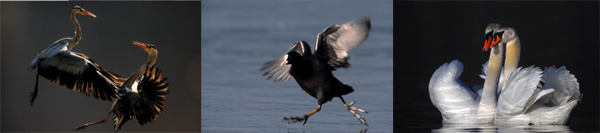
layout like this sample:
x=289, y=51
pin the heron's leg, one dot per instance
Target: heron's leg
x=33, y=94
x=304, y=118
x=101, y=121
x=353, y=110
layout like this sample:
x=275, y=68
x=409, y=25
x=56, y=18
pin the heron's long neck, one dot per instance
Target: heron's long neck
x=513, y=53
x=487, y=104
x=77, y=36
x=138, y=73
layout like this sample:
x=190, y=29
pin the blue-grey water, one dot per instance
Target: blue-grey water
x=239, y=36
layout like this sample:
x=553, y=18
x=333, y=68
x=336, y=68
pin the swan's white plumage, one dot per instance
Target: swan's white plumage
x=524, y=101
x=565, y=84
x=524, y=86
x=522, y=90
x=501, y=79
x=450, y=95
x=524, y=95
x=548, y=104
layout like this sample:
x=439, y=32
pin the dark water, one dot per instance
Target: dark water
x=239, y=36
x=27, y=28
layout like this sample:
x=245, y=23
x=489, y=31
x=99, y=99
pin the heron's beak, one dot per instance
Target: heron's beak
x=89, y=14
x=143, y=45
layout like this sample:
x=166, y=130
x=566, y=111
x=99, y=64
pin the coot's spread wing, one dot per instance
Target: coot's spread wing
x=334, y=42
x=278, y=68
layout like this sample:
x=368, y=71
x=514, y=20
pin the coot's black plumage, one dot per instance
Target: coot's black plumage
x=313, y=71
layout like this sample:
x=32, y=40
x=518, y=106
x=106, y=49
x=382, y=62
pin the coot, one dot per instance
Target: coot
x=313, y=71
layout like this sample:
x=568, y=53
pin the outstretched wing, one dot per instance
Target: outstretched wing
x=334, y=42
x=564, y=83
x=522, y=90
x=153, y=96
x=278, y=68
x=78, y=72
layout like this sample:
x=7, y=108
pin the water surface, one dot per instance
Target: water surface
x=239, y=36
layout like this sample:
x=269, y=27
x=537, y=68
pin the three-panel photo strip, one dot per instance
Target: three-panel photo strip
x=299, y=66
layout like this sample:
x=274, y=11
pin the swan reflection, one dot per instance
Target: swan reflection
x=452, y=128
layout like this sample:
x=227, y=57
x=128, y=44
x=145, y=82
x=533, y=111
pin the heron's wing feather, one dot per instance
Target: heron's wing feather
x=76, y=71
x=153, y=93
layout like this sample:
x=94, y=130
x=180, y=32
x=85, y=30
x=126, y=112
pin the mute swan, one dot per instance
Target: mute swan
x=458, y=103
x=521, y=97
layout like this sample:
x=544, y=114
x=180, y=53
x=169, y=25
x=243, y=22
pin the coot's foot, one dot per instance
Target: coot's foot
x=353, y=110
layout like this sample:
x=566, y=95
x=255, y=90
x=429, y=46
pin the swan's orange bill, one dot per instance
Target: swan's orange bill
x=486, y=46
x=496, y=41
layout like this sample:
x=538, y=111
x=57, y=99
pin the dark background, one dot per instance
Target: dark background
x=27, y=28
x=428, y=34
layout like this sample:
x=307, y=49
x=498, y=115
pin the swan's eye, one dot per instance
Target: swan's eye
x=499, y=34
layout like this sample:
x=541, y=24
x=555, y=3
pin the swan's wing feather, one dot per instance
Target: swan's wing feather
x=448, y=93
x=564, y=83
x=542, y=114
x=520, y=93
x=562, y=96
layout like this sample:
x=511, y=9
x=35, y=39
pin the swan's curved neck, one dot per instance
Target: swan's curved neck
x=152, y=55
x=513, y=53
x=77, y=36
x=487, y=104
